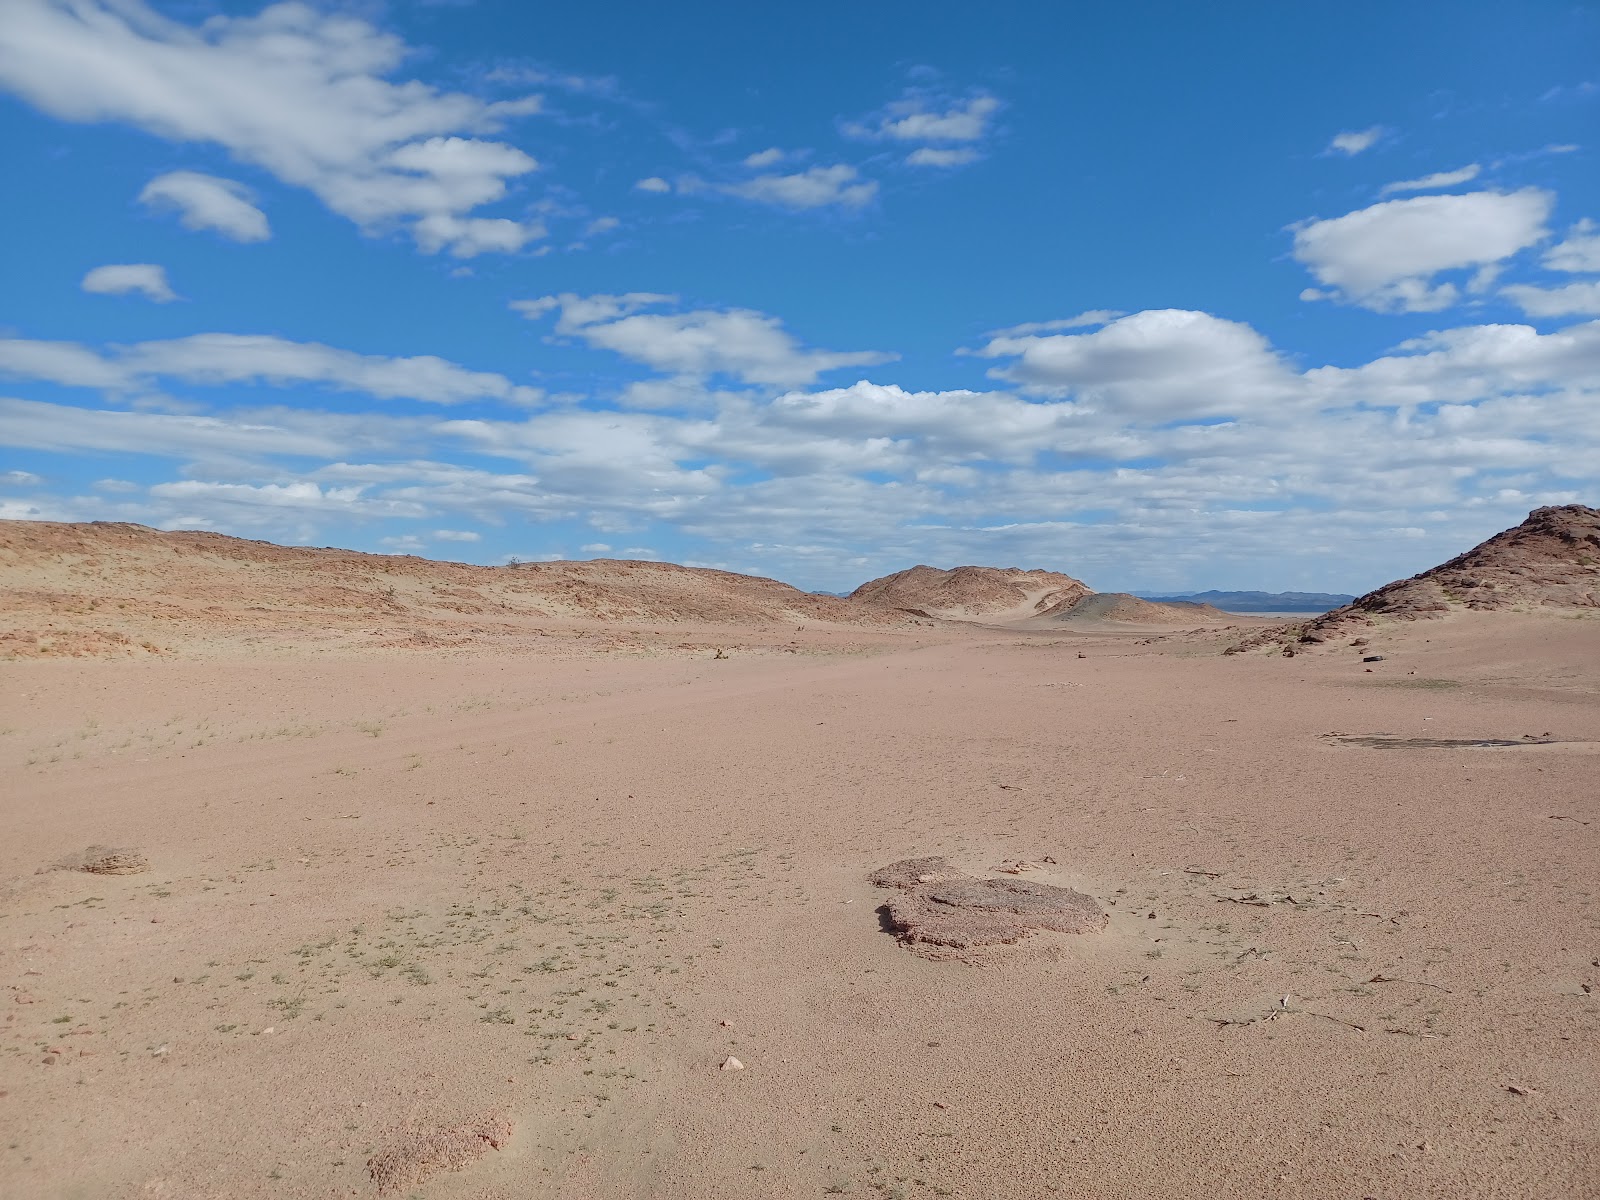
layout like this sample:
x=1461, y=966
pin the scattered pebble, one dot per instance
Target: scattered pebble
x=732, y=1064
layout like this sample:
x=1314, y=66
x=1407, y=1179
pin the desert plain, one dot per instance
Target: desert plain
x=476, y=902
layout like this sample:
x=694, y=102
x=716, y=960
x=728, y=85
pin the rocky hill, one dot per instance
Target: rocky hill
x=1549, y=563
x=99, y=588
x=992, y=595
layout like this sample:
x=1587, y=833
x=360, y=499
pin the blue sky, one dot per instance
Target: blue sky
x=1164, y=295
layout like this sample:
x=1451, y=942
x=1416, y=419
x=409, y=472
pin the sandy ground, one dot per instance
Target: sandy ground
x=402, y=894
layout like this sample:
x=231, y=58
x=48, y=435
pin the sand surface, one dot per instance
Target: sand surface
x=481, y=925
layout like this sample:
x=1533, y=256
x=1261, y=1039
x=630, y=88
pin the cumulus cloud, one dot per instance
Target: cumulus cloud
x=1469, y=364
x=297, y=92
x=653, y=184
x=215, y=358
x=1161, y=364
x=1439, y=179
x=919, y=117
x=934, y=156
x=1579, y=252
x=122, y=279
x=1573, y=299
x=1112, y=441
x=747, y=345
x=207, y=202
x=20, y=479
x=764, y=158
x=1353, y=142
x=1386, y=257
x=456, y=535
x=817, y=187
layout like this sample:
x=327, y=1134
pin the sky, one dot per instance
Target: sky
x=1166, y=296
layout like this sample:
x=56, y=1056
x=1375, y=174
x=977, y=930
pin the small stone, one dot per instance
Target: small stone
x=940, y=1104
x=732, y=1064
x=727, y=1024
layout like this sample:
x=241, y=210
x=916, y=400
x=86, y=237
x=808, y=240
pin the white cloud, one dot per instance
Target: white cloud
x=404, y=544
x=1578, y=299
x=922, y=426
x=1472, y=363
x=1354, y=142
x=467, y=237
x=299, y=93
x=1450, y=433
x=456, y=535
x=600, y=225
x=67, y=429
x=1439, y=179
x=1579, y=253
x=300, y=494
x=817, y=187
x=20, y=479
x=653, y=184
x=65, y=363
x=215, y=358
x=764, y=158
x=1385, y=257
x=748, y=345
x=240, y=358
x=1095, y=316
x=120, y=279
x=915, y=119
x=933, y=156
x=595, y=548
x=207, y=202
x=1161, y=364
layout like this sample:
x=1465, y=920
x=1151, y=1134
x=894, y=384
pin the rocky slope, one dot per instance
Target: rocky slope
x=1549, y=563
x=992, y=595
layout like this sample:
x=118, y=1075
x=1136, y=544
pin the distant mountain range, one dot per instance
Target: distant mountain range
x=1249, y=602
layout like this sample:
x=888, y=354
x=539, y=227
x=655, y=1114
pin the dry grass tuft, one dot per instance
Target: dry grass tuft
x=416, y=1153
x=104, y=860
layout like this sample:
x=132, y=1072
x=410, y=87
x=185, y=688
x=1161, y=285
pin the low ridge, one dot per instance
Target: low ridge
x=100, y=588
x=1130, y=609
